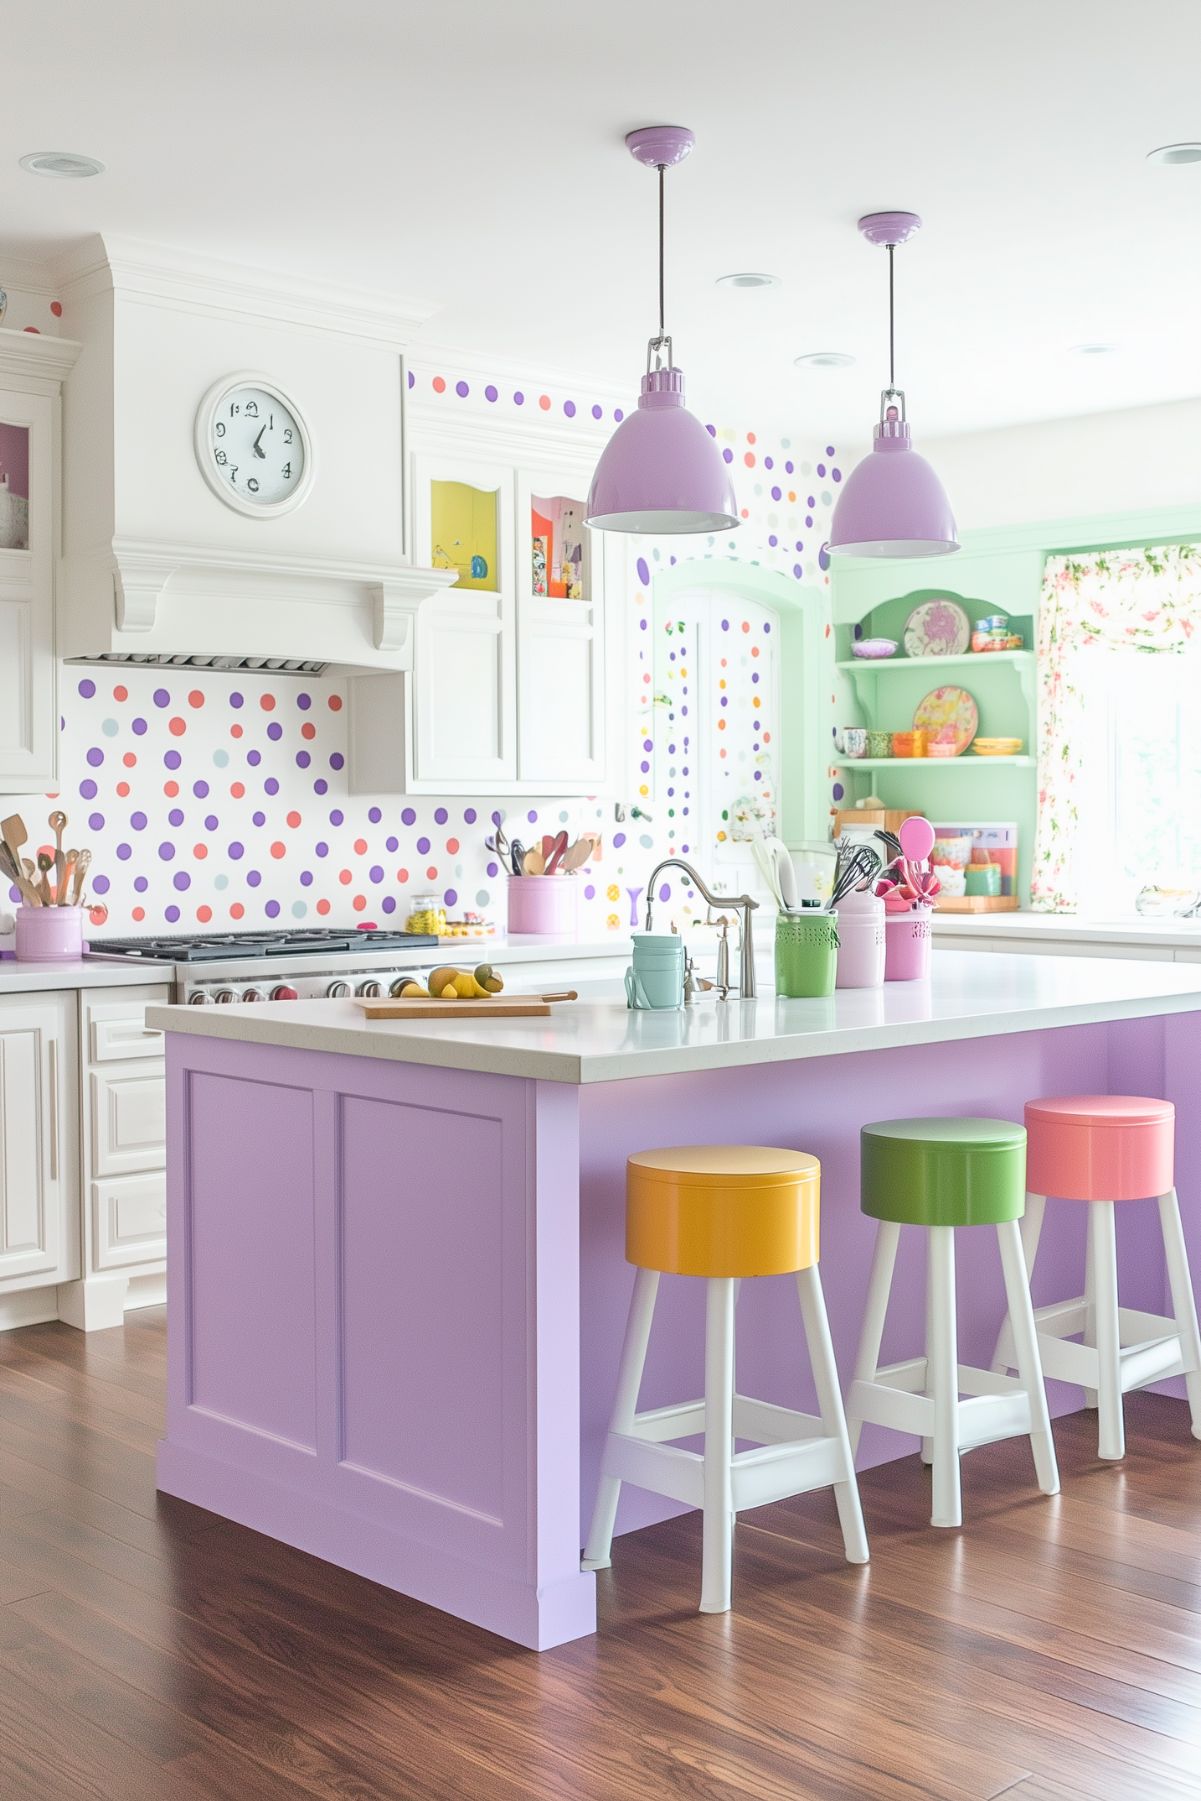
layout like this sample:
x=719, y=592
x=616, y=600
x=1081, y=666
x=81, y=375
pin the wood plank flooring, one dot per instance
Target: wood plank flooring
x=1051, y=1651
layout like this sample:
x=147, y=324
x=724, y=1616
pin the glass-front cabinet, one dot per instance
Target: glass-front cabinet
x=27, y=523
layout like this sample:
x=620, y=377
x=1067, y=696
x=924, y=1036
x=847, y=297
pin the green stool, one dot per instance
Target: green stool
x=939, y=1174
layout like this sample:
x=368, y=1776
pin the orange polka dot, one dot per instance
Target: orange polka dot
x=139, y=913
x=756, y=702
x=359, y=902
x=122, y=789
x=721, y=753
x=754, y=650
x=360, y=847
x=335, y=703
x=278, y=850
x=237, y=910
x=237, y=789
x=56, y=308
x=750, y=437
x=402, y=875
x=767, y=737
x=345, y=877
x=323, y=906
x=235, y=731
x=308, y=729
x=431, y=874
x=170, y=789
x=791, y=495
x=544, y=402
x=129, y=759
x=452, y=846
x=177, y=726
x=746, y=625
x=120, y=692
x=195, y=698
x=204, y=914
x=201, y=851
x=267, y=702
x=723, y=662
x=439, y=386
x=749, y=459
x=721, y=725
x=293, y=819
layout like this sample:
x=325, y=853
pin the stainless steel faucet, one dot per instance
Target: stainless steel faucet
x=743, y=902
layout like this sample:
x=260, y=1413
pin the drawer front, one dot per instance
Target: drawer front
x=117, y=1032
x=129, y=1128
x=129, y=1220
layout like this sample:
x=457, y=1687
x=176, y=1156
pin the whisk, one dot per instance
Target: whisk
x=863, y=864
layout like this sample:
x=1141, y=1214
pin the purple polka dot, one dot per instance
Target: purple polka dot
x=256, y=819
x=88, y=789
x=767, y=625
x=125, y=852
x=337, y=760
x=321, y=786
x=391, y=843
x=408, y=817
x=200, y=789
x=87, y=688
x=619, y=839
x=138, y=821
x=100, y=884
x=271, y=786
x=598, y=412
x=642, y=625
x=423, y=845
x=374, y=815
x=236, y=700
x=462, y=390
x=321, y=848
x=451, y=894
x=166, y=851
x=211, y=822
x=172, y=759
x=665, y=891
x=725, y=701
x=727, y=455
x=769, y=462
x=725, y=625
x=175, y=817
x=272, y=909
x=589, y=892
x=306, y=878
x=469, y=815
x=797, y=571
x=182, y=879
x=491, y=869
x=171, y=914
x=95, y=757
x=569, y=409
x=275, y=731
x=140, y=884
x=162, y=697
x=253, y=878
x=491, y=392
x=532, y=815
x=618, y=414
x=788, y=469
x=838, y=791
x=237, y=851
x=821, y=470
x=375, y=873
x=773, y=540
x=823, y=557
x=440, y=815
x=304, y=702
x=518, y=397
x=642, y=572
x=829, y=450
x=388, y=904
x=412, y=378
x=254, y=758
x=335, y=816
x=303, y=759
x=836, y=475
x=775, y=493
x=138, y=726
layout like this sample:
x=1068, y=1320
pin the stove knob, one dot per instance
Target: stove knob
x=398, y=987
x=224, y=996
x=337, y=991
x=285, y=993
x=201, y=998
x=370, y=990
x=253, y=994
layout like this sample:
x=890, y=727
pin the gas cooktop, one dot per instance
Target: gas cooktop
x=221, y=946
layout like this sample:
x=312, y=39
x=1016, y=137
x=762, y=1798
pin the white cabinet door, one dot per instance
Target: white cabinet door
x=560, y=637
x=39, y=1153
x=464, y=688
x=28, y=713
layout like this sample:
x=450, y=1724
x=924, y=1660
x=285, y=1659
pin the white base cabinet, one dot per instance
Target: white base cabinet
x=82, y=1156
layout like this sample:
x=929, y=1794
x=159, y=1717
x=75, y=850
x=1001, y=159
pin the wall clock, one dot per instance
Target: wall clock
x=253, y=446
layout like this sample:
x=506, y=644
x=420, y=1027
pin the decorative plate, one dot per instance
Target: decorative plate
x=948, y=709
x=938, y=628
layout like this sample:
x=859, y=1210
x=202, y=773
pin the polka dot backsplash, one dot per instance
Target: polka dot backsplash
x=221, y=802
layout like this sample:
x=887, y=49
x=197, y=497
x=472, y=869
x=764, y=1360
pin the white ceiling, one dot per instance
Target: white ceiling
x=469, y=152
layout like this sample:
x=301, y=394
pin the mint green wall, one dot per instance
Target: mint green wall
x=999, y=570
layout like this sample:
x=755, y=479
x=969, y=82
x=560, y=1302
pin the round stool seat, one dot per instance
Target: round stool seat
x=943, y=1172
x=722, y=1210
x=1100, y=1147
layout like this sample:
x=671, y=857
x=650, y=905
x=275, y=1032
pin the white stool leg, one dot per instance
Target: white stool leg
x=1029, y=1363
x=717, y=1554
x=927, y=1448
x=884, y=1257
x=1089, y=1334
x=1184, y=1305
x=599, y=1547
x=942, y=1377
x=1103, y=1281
x=1032, y=1228
x=829, y=1405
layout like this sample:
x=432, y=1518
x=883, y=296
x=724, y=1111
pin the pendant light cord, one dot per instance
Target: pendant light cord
x=662, y=197
x=892, y=338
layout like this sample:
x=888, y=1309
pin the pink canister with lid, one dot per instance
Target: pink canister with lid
x=862, y=941
x=907, y=949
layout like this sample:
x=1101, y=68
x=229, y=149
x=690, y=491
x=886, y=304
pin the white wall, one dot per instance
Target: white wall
x=1122, y=462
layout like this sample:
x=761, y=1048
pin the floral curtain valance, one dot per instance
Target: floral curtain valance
x=1100, y=600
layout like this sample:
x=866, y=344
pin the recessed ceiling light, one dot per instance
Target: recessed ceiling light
x=824, y=359
x=1094, y=347
x=1175, y=153
x=61, y=165
x=748, y=278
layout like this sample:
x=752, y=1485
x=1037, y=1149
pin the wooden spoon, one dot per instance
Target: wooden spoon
x=58, y=825
x=557, y=849
x=15, y=835
x=577, y=856
x=45, y=865
x=83, y=863
x=16, y=874
x=533, y=863
x=64, y=885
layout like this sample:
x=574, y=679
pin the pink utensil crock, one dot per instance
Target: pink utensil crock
x=907, y=945
x=861, y=936
x=49, y=934
x=543, y=906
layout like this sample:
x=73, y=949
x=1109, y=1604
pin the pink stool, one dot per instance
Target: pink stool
x=1104, y=1148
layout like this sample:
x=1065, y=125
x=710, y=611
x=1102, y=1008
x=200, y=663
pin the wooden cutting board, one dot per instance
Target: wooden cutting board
x=398, y=1008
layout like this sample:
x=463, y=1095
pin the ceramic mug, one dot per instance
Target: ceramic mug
x=879, y=744
x=655, y=979
x=852, y=741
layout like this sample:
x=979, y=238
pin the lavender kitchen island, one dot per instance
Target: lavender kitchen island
x=397, y=1287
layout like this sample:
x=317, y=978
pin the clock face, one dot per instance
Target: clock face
x=253, y=447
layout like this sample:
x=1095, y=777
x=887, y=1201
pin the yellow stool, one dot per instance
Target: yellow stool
x=723, y=1212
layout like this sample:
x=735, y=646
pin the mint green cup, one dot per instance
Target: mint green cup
x=655, y=978
x=806, y=955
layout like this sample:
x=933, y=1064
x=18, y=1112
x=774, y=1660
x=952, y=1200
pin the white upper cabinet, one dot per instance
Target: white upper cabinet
x=29, y=526
x=516, y=666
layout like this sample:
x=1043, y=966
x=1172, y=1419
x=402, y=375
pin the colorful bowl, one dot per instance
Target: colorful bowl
x=872, y=648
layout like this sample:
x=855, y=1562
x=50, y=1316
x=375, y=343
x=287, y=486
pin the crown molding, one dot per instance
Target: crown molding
x=161, y=275
x=25, y=275
x=26, y=353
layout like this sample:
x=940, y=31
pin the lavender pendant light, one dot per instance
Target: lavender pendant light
x=892, y=504
x=661, y=471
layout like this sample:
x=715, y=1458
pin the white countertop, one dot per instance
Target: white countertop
x=1069, y=927
x=90, y=972
x=595, y=1039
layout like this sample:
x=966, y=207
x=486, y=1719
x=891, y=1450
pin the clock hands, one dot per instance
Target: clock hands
x=255, y=445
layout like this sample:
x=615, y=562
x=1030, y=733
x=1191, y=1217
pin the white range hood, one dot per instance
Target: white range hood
x=155, y=566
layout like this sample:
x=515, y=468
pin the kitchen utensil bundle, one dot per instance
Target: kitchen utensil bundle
x=856, y=865
x=31, y=877
x=555, y=855
x=909, y=882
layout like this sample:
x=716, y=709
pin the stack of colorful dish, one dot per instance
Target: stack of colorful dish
x=997, y=747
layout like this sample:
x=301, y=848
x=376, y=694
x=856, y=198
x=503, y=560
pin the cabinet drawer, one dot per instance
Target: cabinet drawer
x=117, y=1032
x=129, y=1220
x=129, y=1127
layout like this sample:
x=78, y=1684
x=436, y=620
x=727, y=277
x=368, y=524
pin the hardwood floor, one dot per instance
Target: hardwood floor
x=1051, y=1651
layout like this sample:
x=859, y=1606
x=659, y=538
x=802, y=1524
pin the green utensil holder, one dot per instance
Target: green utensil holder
x=806, y=955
